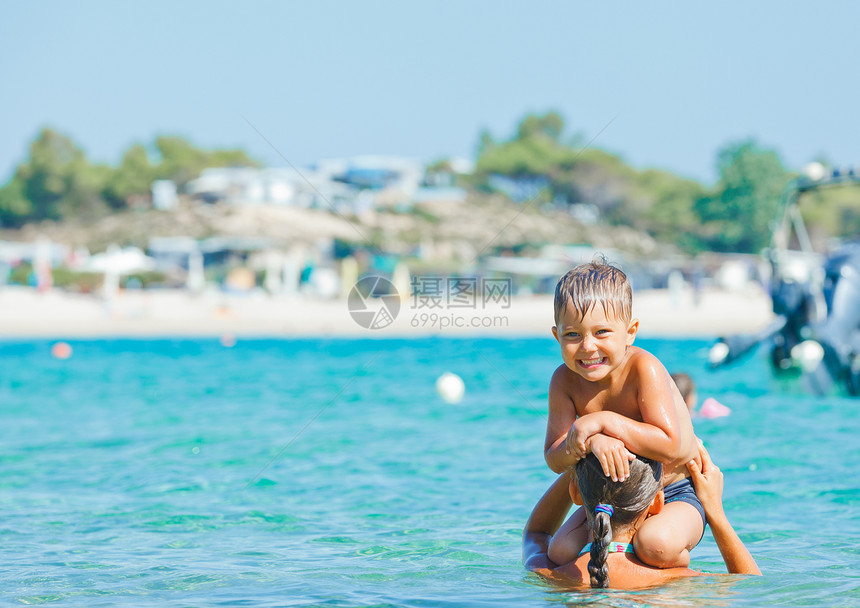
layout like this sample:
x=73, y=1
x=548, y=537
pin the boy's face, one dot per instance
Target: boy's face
x=595, y=345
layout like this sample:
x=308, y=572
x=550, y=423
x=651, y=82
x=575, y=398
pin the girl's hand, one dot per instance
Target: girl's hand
x=708, y=481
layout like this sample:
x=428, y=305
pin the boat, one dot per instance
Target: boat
x=816, y=299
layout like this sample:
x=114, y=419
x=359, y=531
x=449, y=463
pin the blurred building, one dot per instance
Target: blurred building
x=164, y=194
x=348, y=185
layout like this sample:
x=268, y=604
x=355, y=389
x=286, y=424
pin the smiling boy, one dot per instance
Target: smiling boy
x=612, y=398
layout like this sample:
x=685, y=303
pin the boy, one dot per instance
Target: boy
x=610, y=397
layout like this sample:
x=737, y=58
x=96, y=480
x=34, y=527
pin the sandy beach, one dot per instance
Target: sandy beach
x=56, y=314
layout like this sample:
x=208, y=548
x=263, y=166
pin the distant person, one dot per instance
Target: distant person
x=687, y=388
x=711, y=408
x=613, y=399
x=616, y=511
x=697, y=277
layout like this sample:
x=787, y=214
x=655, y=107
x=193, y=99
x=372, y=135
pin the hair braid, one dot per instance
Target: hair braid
x=601, y=531
x=629, y=499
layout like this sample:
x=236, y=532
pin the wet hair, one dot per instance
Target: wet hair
x=596, y=282
x=628, y=500
x=684, y=383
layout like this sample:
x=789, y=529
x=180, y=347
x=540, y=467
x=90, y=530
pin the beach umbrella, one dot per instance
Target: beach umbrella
x=120, y=261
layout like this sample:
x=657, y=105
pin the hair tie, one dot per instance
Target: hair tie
x=602, y=508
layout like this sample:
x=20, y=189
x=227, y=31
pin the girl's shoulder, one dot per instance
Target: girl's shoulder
x=630, y=573
x=654, y=576
x=624, y=573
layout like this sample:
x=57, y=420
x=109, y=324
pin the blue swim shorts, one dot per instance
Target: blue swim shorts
x=685, y=492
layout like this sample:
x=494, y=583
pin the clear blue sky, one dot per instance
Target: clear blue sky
x=326, y=79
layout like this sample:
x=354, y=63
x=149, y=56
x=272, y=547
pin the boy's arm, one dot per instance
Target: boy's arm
x=641, y=438
x=709, y=488
x=657, y=437
x=561, y=416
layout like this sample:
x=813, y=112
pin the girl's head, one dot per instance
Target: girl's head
x=629, y=501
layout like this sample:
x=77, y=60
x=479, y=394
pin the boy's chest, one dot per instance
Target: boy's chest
x=623, y=401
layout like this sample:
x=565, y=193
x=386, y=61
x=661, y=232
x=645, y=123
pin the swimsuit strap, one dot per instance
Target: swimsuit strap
x=613, y=548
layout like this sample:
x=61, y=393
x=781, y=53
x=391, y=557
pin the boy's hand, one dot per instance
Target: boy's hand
x=577, y=437
x=575, y=443
x=708, y=481
x=613, y=456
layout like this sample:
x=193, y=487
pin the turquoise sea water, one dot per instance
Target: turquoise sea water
x=329, y=473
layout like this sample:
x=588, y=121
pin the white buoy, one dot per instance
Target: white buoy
x=718, y=353
x=808, y=354
x=450, y=387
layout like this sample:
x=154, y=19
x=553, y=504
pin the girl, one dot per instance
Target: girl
x=615, y=510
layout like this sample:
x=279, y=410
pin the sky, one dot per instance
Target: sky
x=662, y=84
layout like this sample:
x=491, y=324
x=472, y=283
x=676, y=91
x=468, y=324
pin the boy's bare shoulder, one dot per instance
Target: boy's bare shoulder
x=561, y=385
x=646, y=364
x=560, y=373
x=562, y=378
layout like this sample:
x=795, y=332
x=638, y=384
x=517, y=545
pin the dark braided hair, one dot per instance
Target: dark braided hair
x=601, y=531
x=628, y=500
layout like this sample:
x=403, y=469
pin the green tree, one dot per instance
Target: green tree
x=739, y=214
x=182, y=162
x=14, y=205
x=831, y=212
x=230, y=158
x=667, y=208
x=534, y=151
x=591, y=176
x=134, y=176
x=58, y=180
x=485, y=141
x=550, y=125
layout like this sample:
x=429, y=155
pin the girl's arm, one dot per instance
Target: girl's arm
x=547, y=517
x=708, y=482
